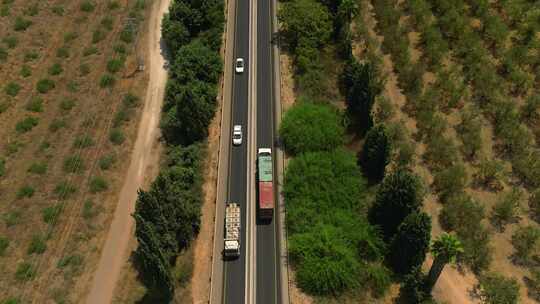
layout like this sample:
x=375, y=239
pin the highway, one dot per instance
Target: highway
x=234, y=271
x=267, y=263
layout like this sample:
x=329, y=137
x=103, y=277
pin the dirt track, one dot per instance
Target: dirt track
x=114, y=253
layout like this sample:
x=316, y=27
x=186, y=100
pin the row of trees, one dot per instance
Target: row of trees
x=167, y=216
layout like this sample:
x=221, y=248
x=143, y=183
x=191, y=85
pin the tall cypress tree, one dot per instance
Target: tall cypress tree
x=376, y=153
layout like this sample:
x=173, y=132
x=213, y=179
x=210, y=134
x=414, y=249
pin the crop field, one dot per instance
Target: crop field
x=463, y=78
x=70, y=92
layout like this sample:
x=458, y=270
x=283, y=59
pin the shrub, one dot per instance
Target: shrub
x=62, y=52
x=35, y=105
x=25, y=191
x=470, y=130
x=73, y=86
x=120, y=49
x=107, y=161
x=37, y=245
x=70, y=36
x=308, y=127
x=87, y=6
x=120, y=117
x=30, y=56
x=399, y=195
x=26, y=71
x=496, y=289
x=451, y=181
x=114, y=65
x=112, y=5
x=26, y=124
x=98, y=35
x=10, y=41
x=2, y=167
x=379, y=279
x=461, y=213
x=507, y=208
x=12, y=218
x=491, y=173
x=126, y=35
x=441, y=152
x=4, y=244
x=56, y=69
x=91, y=50
x=45, y=85
x=25, y=272
x=376, y=152
x=12, y=89
x=58, y=10
x=21, y=24
x=88, y=210
x=107, y=22
x=116, y=136
x=84, y=69
x=64, y=190
x=526, y=241
x=107, y=81
x=3, y=54
x=73, y=164
x=130, y=100
x=98, y=184
x=67, y=104
x=83, y=141
x=57, y=124
x=50, y=214
x=73, y=260
x=38, y=168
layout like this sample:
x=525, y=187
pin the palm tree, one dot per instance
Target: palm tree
x=445, y=249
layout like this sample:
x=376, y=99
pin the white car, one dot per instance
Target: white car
x=239, y=66
x=237, y=135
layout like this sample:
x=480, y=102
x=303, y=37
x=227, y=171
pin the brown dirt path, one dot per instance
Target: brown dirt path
x=114, y=253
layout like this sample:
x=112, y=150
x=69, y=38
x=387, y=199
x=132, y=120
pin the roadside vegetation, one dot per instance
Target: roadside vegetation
x=167, y=216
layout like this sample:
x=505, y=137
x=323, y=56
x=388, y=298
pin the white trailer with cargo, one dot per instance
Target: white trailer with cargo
x=231, y=242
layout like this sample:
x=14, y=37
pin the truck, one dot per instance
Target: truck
x=231, y=242
x=265, y=184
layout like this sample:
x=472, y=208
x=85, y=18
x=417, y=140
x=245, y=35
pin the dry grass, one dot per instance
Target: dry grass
x=56, y=37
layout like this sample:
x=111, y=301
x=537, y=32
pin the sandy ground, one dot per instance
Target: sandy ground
x=115, y=251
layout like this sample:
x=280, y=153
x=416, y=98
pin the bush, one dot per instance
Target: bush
x=491, y=173
x=67, y=104
x=507, y=208
x=57, y=124
x=126, y=35
x=116, y=136
x=120, y=117
x=376, y=152
x=107, y=161
x=35, y=105
x=21, y=24
x=451, y=181
x=12, y=89
x=112, y=5
x=56, y=69
x=62, y=52
x=87, y=6
x=114, y=65
x=26, y=71
x=534, y=205
x=2, y=167
x=107, y=81
x=88, y=210
x=130, y=100
x=73, y=164
x=70, y=36
x=12, y=218
x=45, y=85
x=4, y=244
x=38, y=168
x=30, y=56
x=25, y=191
x=308, y=127
x=107, y=22
x=10, y=41
x=399, y=195
x=497, y=289
x=83, y=141
x=50, y=214
x=91, y=50
x=470, y=130
x=26, y=124
x=461, y=213
x=441, y=152
x=379, y=279
x=3, y=54
x=25, y=272
x=98, y=35
x=98, y=184
x=526, y=241
x=64, y=190
x=58, y=10
x=37, y=245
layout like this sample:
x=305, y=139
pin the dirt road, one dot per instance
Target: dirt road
x=115, y=253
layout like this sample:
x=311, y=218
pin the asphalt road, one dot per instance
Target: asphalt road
x=235, y=270
x=267, y=263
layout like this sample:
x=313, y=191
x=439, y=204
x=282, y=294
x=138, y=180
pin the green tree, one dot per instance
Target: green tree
x=305, y=19
x=413, y=289
x=496, y=289
x=506, y=208
x=534, y=203
x=196, y=62
x=451, y=181
x=445, y=249
x=362, y=85
x=526, y=241
x=398, y=196
x=308, y=127
x=376, y=153
x=411, y=242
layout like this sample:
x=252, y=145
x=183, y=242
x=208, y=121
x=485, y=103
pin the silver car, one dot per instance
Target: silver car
x=237, y=135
